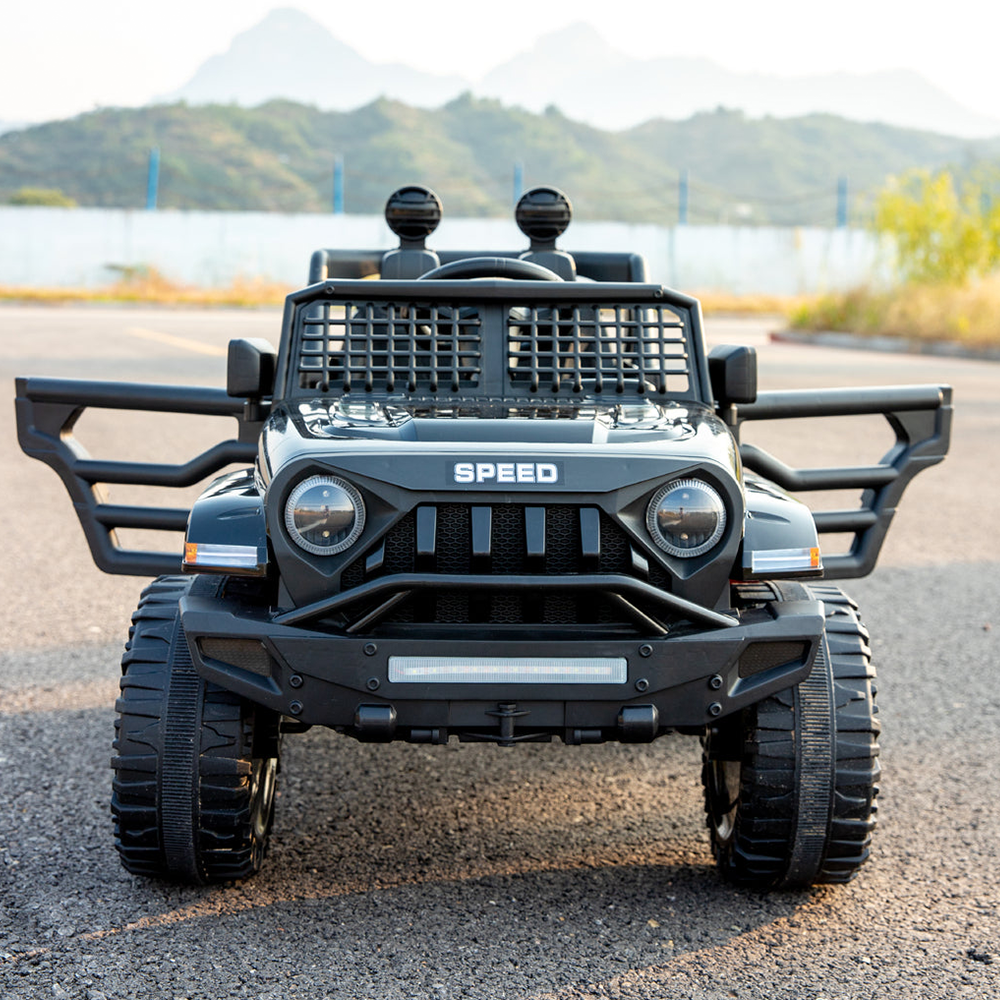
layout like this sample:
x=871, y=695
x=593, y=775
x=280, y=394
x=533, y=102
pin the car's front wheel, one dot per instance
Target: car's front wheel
x=790, y=783
x=195, y=765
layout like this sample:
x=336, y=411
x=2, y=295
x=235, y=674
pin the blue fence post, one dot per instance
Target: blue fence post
x=518, y=181
x=338, y=185
x=841, y=201
x=153, y=179
x=682, y=199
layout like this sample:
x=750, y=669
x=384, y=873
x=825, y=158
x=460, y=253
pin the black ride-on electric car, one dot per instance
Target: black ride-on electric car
x=492, y=496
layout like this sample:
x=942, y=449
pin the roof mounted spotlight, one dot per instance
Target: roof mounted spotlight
x=412, y=213
x=543, y=214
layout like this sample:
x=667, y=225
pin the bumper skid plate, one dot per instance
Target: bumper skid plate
x=426, y=689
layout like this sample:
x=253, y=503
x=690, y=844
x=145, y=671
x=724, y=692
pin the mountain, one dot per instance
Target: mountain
x=279, y=157
x=575, y=69
x=290, y=56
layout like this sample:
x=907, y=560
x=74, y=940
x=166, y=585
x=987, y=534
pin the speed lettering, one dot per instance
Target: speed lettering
x=508, y=473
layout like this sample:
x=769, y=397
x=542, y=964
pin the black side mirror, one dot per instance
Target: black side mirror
x=733, y=372
x=250, y=368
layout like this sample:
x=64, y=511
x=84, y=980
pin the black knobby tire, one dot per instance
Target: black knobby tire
x=195, y=765
x=791, y=782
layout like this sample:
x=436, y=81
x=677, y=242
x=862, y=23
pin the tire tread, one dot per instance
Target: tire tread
x=758, y=851
x=181, y=814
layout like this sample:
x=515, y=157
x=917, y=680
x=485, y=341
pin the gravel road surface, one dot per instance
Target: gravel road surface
x=469, y=871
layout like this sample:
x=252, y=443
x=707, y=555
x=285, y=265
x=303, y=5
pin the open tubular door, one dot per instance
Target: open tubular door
x=48, y=409
x=920, y=416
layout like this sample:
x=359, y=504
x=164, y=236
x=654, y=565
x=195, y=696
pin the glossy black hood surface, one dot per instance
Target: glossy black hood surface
x=332, y=430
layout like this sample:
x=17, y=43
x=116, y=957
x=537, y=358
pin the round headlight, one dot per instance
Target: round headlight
x=686, y=517
x=324, y=515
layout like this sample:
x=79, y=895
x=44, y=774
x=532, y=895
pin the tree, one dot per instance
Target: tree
x=943, y=233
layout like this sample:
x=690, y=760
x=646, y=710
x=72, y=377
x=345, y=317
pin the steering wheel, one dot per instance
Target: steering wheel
x=491, y=267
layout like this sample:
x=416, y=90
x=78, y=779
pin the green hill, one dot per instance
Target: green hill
x=279, y=157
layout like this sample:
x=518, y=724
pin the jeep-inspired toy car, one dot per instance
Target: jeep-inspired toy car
x=494, y=497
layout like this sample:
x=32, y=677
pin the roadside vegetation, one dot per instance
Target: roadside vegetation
x=946, y=238
x=46, y=197
x=147, y=285
x=280, y=157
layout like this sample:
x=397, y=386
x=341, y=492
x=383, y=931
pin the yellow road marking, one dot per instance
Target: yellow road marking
x=184, y=343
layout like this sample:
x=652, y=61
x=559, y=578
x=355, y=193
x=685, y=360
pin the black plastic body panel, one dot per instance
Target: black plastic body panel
x=605, y=461
x=775, y=521
x=595, y=265
x=229, y=515
x=324, y=679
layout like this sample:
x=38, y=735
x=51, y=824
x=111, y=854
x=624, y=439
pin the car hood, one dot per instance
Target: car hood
x=324, y=430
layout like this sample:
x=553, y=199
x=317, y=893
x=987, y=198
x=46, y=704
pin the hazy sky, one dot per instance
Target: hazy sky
x=58, y=58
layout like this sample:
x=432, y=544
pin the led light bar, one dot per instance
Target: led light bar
x=763, y=561
x=508, y=669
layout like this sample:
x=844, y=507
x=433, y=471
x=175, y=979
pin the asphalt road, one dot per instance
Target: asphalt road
x=469, y=871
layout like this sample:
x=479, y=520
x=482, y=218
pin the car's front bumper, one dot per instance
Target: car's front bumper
x=343, y=681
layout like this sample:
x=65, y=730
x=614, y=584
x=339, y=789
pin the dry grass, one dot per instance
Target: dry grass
x=151, y=287
x=725, y=302
x=967, y=314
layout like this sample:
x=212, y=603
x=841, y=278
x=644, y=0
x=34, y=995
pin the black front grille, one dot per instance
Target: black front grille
x=577, y=540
